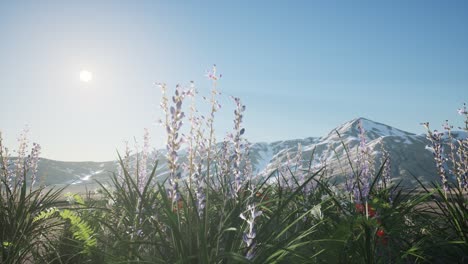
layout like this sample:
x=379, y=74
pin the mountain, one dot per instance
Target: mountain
x=409, y=155
x=79, y=174
x=408, y=152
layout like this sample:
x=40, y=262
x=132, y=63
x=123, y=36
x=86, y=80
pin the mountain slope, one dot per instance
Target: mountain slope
x=408, y=153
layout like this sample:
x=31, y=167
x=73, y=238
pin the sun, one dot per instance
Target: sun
x=86, y=76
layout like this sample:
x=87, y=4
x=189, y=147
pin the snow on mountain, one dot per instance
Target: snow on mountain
x=404, y=149
x=264, y=154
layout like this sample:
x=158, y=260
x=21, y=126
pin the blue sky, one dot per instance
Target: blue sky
x=301, y=67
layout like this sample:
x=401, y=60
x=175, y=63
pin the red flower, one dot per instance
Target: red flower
x=380, y=233
x=382, y=237
x=359, y=208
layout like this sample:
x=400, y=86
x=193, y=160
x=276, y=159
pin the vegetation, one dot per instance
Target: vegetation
x=213, y=209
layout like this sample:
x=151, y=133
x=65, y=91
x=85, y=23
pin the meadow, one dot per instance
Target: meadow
x=214, y=209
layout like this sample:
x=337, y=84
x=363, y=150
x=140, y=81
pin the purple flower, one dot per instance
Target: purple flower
x=435, y=138
x=6, y=171
x=349, y=184
x=142, y=170
x=190, y=166
x=462, y=111
x=20, y=160
x=386, y=174
x=249, y=236
x=199, y=192
x=211, y=74
x=33, y=162
x=363, y=170
x=173, y=125
x=237, y=143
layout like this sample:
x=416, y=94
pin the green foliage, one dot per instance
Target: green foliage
x=81, y=230
x=128, y=224
x=47, y=214
x=26, y=225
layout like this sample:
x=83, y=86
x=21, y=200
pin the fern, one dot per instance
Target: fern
x=46, y=214
x=81, y=230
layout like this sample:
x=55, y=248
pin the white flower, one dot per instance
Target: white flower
x=324, y=197
x=70, y=198
x=316, y=212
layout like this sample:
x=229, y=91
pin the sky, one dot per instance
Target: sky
x=301, y=67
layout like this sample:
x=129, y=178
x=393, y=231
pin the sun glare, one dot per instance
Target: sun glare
x=86, y=76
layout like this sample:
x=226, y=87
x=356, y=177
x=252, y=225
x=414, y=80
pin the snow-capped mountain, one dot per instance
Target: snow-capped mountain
x=409, y=155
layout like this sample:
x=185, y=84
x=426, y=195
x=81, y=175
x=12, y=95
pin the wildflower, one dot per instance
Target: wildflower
x=197, y=150
x=139, y=233
x=462, y=111
x=361, y=208
x=211, y=140
x=382, y=237
x=200, y=195
x=350, y=183
x=21, y=153
x=317, y=212
x=142, y=163
x=237, y=143
x=436, y=140
x=212, y=74
x=248, y=167
x=386, y=174
x=364, y=165
x=249, y=236
x=193, y=134
x=358, y=182
x=70, y=198
x=173, y=124
x=454, y=157
x=380, y=233
x=324, y=197
x=126, y=162
x=33, y=161
x=4, y=160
